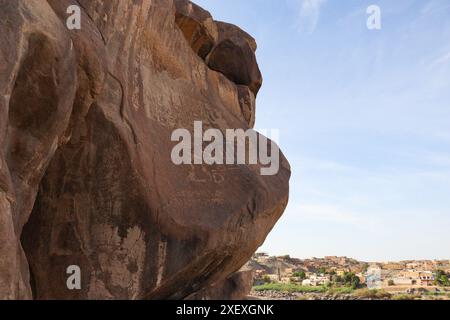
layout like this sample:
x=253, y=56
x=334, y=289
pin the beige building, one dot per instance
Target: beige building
x=426, y=278
x=411, y=274
x=288, y=272
x=340, y=272
x=273, y=277
x=400, y=281
x=316, y=281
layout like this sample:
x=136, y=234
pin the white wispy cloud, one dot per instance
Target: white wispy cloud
x=435, y=6
x=309, y=14
x=443, y=59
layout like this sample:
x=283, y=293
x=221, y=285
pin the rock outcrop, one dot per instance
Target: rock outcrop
x=198, y=27
x=236, y=286
x=86, y=176
x=234, y=56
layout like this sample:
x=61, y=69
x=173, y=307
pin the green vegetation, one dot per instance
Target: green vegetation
x=434, y=294
x=348, y=279
x=372, y=294
x=266, y=279
x=336, y=290
x=406, y=297
x=300, y=274
x=292, y=287
x=441, y=278
x=322, y=270
x=340, y=290
x=391, y=282
x=288, y=287
x=351, y=279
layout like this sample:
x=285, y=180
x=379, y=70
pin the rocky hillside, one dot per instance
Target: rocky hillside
x=86, y=177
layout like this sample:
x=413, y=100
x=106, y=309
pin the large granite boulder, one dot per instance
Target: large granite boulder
x=86, y=176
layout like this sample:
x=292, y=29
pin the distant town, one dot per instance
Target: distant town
x=332, y=277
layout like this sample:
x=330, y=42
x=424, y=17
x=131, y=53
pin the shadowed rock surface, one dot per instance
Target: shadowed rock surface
x=198, y=27
x=234, y=56
x=237, y=286
x=86, y=178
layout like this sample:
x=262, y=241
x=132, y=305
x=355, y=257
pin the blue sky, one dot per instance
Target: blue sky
x=364, y=118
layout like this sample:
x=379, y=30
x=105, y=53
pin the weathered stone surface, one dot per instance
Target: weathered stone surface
x=197, y=26
x=237, y=286
x=247, y=102
x=234, y=56
x=37, y=87
x=229, y=31
x=86, y=176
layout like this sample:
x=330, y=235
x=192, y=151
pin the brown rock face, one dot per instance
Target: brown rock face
x=247, y=101
x=86, y=176
x=197, y=26
x=237, y=286
x=234, y=56
x=37, y=87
